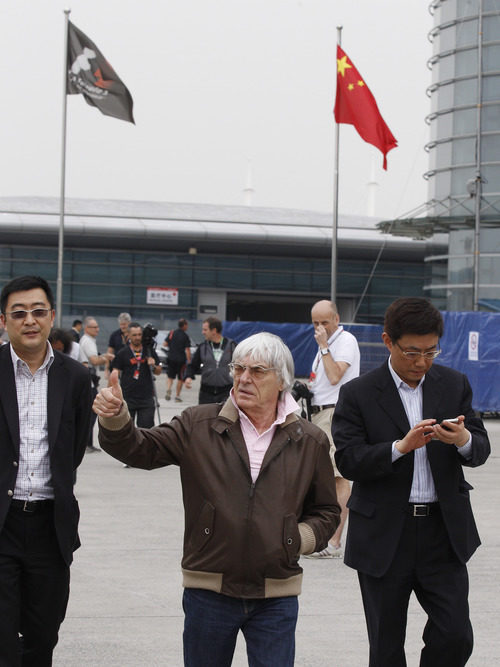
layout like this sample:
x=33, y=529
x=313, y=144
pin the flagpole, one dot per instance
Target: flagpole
x=60, y=252
x=333, y=284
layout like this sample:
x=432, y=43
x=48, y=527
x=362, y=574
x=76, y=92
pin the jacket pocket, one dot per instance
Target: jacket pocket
x=364, y=507
x=464, y=488
x=204, y=527
x=291, y=538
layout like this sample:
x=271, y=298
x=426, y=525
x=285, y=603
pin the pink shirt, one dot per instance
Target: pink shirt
x=257, y=443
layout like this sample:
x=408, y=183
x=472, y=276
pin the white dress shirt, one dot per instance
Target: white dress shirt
x=423, y=489
x=34, y=477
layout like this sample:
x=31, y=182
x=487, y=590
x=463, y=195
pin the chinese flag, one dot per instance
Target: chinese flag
x=355, y=105
x=90, y=74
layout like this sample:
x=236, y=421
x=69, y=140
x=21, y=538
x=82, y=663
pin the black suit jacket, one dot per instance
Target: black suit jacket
x=68, y=417
x=368, y=418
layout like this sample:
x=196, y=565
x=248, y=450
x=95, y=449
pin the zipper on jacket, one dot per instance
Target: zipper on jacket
x=248, y=568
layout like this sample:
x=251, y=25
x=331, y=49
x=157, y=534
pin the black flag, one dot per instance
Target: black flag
x=90, y=74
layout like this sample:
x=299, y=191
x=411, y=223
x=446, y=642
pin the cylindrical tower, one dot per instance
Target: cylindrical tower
x=464, y=151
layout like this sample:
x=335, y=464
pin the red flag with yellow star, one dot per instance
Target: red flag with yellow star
x=355, y=105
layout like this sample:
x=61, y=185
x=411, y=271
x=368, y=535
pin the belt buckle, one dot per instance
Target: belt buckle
x=26, y=507
x=420, y=510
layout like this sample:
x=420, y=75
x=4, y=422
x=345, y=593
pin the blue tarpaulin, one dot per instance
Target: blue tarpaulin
x=466, y=335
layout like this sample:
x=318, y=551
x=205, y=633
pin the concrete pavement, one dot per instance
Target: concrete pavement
x=125, y=604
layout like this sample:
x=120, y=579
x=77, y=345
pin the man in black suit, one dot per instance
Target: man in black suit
x=45, y=405
x=411, y=526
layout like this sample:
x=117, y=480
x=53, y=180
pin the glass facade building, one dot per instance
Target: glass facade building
x=245, y=263
x=465, y=150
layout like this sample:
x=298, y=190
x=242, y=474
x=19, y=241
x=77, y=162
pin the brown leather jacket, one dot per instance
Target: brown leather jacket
x=242, y=539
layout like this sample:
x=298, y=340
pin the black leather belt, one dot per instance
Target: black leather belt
x=317, y=408
x=423, y=509
x=31, y=507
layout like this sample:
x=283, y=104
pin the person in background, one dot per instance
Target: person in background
x=179, y=352
x=336, y=362
x=63, y=341
x=45, y=408
x=212, y=359
x=76, y=329
x=404, y=432
x=119, y=337
x=133, y=369
x=258, y=491
x=90, y=357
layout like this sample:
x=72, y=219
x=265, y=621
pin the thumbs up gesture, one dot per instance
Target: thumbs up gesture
x=109, y=400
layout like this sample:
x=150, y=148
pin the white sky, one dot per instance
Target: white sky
x=216, y=83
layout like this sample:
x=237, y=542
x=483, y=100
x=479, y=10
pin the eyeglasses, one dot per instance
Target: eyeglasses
x=412, y=355
x=37, y=313
x=256, y=372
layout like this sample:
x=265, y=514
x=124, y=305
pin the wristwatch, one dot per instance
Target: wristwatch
x=324, y=351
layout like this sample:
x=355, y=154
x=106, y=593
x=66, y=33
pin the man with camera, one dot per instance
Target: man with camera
x=133, y=365
x=336, y=362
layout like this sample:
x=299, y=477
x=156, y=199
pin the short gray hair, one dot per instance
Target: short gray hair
x=270, y=350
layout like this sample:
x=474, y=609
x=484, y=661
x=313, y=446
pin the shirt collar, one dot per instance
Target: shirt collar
x=286, y=406
x=47, y=362
x=399, y=382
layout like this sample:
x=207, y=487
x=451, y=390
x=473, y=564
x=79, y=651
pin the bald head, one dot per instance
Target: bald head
x=324, y=313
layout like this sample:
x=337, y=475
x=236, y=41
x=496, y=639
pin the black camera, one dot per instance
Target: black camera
x=299, y=390
x=149, y=332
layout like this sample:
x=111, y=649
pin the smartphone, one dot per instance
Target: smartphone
x=451, y=421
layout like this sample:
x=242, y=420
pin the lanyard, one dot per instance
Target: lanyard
x=136, y=361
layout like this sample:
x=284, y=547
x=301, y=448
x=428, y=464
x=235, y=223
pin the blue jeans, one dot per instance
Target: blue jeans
x=212, y=622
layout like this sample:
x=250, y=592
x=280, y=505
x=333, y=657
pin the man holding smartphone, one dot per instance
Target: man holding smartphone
x=403, y=434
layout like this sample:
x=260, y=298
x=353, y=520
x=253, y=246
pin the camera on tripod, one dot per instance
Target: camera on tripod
x=149, y=332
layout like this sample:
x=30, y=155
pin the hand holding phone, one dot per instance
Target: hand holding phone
x=455, y=420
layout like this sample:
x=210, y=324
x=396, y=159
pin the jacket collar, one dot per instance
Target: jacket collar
x=229, y=413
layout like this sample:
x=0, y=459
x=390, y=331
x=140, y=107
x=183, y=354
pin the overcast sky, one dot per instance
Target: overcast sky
x=217, y=83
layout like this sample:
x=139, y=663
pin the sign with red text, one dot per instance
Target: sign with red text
x=162, y=296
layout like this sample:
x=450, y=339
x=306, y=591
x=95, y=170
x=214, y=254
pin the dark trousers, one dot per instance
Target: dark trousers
x=212, y=622
x=34, y=588
x=145, y=417
x=425, y=564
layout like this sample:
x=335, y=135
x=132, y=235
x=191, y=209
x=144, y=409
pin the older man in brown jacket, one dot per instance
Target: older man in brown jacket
x=258, y=492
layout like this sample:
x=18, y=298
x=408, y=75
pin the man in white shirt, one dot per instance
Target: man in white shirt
x=336, y=362
x=90, y=357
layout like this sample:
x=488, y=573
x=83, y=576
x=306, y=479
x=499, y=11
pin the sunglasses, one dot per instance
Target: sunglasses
x=256, y=372
x=37, y=313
